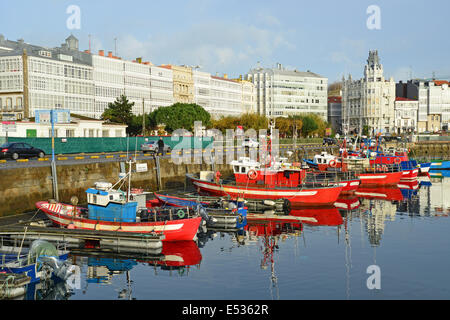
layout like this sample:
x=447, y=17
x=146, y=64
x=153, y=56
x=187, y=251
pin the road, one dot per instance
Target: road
x=71, y=159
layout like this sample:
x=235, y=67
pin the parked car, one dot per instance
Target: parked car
x=328, y=141
x=16, y=150
x=152, y=147
x=250, y=143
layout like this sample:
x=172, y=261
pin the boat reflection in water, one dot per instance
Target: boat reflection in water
x=380, y=193
x=268, y=233
x=319, y=216
x=176, y=258
x=409, y=189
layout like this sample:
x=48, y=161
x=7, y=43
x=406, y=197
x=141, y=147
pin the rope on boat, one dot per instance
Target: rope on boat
x=7, y=285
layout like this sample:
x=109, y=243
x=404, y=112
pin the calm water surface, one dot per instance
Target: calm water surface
x=404, y=231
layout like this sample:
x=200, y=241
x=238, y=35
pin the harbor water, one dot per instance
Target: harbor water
x=381, y=244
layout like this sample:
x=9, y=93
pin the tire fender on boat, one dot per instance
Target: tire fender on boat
x=252, y=174
x=332, y=163
x=181, y=213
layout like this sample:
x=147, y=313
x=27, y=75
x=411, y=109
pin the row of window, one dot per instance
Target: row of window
x=11, y=82
x=87, y=133
x=6, y=104
x=11, y=64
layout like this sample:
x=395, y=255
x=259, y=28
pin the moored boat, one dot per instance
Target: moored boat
x=175, y=225
x=115, y=210
x=300, y=195
x=440, y=165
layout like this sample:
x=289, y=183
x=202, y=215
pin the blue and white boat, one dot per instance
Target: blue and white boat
x=42, y=261
x=440, y=165
x=218, y=213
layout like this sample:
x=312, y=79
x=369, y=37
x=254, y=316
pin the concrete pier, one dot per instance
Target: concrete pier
x=21, y=188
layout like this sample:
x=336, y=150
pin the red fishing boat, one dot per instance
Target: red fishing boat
x=282, y=174
x=380, y=178
x=76, y=218
x=301, y=195
x=115, y=210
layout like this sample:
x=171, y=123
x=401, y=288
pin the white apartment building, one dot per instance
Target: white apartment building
x=202, y=89
x=281, y=92
x=221, y=96
x=161, y=87
x=85, y=83
x=248, y=96
x=434, y=102
x=369, y=101
x=405, y=115
x=225, y=97
x=52, y=78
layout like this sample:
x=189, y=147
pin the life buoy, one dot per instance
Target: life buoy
x=332, y=163
x=181, y=214
x=397, y=160
x=218, y=175
x=252, y=174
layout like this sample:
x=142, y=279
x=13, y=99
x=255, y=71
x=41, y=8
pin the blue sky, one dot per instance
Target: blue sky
x=327, y=37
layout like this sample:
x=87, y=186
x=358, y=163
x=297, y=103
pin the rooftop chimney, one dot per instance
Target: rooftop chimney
x=110, y=55
x=101, y=53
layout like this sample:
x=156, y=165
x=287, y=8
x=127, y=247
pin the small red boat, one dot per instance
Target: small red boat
x=409, y=174
x=319, y=196
x=76, y=218
x=380, y=178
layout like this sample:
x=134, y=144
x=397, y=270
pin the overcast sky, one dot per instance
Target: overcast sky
x=327, y=37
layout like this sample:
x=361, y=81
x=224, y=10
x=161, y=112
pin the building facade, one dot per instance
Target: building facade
x=281, y=92
x=221, y=96
x=335, y=113
x=405, y=115
x=33, y=77
x=183, y=84
x=369, y=102
x=79, y=127
x=434, y=102
x=37, y=78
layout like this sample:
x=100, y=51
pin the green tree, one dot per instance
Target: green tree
x=247, y=121
x=365, y=130
x=119, y=111
x=180, y=116
x=309, y=125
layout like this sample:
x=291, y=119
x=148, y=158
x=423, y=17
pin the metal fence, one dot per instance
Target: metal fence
x=93, y=145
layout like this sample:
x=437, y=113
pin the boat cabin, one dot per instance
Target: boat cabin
x=107, y=204
x=324, y=158
x=280, y=173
